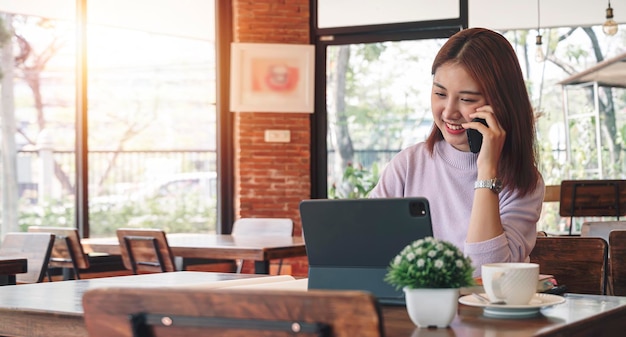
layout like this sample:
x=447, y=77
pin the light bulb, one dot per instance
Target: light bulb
x=610, y=26
x=539, y=56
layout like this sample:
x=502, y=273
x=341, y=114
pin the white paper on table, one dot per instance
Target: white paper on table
x=239, y=282
x=295, y=285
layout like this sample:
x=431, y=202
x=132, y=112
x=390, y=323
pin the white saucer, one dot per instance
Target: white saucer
x=513, y=311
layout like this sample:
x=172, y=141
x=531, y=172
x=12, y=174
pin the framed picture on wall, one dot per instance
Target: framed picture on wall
x=269, y=77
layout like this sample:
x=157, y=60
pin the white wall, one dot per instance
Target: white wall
x=494, y=14
x=158, y=15
x=345, y=13
x=522, y=14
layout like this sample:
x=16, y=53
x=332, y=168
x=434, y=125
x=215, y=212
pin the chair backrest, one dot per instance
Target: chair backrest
x=617, y=260
x=67, y=252
x=601, y=229
x=579, y=263
x=593, y=198
x=263, y=226
x=230, y=312
x=35, y=247
x=145, y=250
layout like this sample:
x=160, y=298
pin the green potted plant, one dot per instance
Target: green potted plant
x=431, y=273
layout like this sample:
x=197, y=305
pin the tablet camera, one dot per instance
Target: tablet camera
x=417, y=209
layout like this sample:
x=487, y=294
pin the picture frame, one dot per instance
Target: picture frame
x=272, y=77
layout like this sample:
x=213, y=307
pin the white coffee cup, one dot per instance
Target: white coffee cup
x=515, y=283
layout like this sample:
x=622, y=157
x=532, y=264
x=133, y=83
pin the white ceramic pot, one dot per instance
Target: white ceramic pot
x=432, y=307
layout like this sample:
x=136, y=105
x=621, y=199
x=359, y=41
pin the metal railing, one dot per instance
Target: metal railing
x=108, y=169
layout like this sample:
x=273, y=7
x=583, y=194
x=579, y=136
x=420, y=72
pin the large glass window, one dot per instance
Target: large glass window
x=579, y=131
x=151, y=131
x=377, y=102
x=38, y=122
x=152, y=125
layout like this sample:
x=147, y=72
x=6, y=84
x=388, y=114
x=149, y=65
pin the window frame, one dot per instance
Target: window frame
x=352, y=35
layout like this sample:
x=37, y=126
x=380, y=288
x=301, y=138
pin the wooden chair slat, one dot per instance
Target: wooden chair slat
x=345, y=313
x=617, y=260
x=67, y=251
x=579, y=263
x=145, y=250
x=35, y=247
x=593, y=198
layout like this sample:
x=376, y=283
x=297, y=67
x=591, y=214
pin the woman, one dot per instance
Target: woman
x=486, y=203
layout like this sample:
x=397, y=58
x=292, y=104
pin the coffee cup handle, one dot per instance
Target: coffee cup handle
x=496, y=282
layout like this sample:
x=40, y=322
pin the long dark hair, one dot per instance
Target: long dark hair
x=490, y=60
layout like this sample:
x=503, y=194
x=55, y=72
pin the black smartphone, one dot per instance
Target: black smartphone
x=557, y=290
x=475, y=138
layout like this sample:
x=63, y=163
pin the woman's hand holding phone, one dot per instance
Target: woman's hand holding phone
x=489, y=140
x=475, y=138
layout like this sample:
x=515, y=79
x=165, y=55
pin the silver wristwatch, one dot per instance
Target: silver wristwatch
x=494, y=184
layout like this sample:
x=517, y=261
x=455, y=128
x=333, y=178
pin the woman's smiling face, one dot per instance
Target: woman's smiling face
x=455, y=95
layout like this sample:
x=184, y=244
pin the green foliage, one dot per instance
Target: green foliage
x=430, y=263
x=49, y=213
x=371, y=51
x=358, y=181
x=379, y=107
x=189, y=214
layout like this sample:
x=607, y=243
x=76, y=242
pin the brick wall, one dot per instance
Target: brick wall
x=272, y=178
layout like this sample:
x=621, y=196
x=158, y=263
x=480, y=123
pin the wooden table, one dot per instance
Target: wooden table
x=212, y=246
x=9, y=267
x=55, y=309
x=579, y=316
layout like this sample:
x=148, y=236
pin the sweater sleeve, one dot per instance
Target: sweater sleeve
x=413, y=171
x=519, y=217
x=390, y=184
x=394, y=177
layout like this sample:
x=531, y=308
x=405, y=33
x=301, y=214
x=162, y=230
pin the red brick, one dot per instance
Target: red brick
x=272, y=178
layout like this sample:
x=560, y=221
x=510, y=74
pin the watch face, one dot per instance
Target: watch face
x=497, y=185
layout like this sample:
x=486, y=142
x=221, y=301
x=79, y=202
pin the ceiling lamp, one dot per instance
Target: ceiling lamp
x=610, y=26
x=539, y=56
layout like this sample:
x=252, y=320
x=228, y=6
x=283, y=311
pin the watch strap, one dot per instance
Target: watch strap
x=494, y=184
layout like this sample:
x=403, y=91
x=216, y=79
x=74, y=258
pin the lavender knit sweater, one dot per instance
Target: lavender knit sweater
x=447, y=179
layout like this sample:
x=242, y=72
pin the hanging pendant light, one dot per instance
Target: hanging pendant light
x=610, y=26
x=539, y=55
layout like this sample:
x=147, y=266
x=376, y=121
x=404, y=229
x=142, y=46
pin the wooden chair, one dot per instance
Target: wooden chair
x=617, y=262
x=579, y=263
x=35, y=247
x=595, y=198
x=262, y=227
x=67, y=252
x=145, y=250
x=228, y=312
